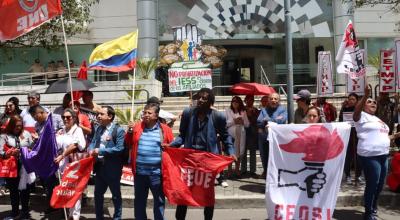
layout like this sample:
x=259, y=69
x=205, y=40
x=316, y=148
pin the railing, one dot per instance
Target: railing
x=44, y=78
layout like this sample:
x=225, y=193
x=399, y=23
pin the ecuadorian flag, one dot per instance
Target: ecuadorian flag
x=117, y=55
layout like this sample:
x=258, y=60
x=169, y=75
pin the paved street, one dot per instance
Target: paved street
x=353, y=213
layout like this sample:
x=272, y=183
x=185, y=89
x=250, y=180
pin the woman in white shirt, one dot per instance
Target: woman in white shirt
x=70, y=140
x=236, y=122
x=372, y=149
x=14, y=138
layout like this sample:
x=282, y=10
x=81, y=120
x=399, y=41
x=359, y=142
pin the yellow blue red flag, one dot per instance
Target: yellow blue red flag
x=117, y=55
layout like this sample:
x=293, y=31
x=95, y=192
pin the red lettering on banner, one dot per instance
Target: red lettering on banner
x=384, y=88
x=387, y=74
x=387, y=81
x=300, y=212
x=278, y=210
x=316, y=213
x=290, y=211
x=303, y=213
x=355, y=84
x=30, y=20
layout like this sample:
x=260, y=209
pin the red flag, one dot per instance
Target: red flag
x=18, y=17
x=189, y=175
x=9, y=166
x=73, y=182
x=82, y=74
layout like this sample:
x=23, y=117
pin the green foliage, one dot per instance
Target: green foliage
x=374, y=60
x=124, y=115
x=146, y=67
x=49, y=35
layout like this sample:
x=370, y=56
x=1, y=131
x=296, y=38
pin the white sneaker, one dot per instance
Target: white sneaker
x=361, y=180
x=224, y=184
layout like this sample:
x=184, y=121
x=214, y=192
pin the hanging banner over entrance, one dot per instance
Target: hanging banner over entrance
x=397, y=46
x=189, y=76
x=324, y=78
x=356, y=84
x=387, y=77
x=307, y=187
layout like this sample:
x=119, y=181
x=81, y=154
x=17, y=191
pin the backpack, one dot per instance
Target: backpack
x=125, y=152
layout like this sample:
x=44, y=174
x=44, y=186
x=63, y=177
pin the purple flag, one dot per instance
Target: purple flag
x=41, y=158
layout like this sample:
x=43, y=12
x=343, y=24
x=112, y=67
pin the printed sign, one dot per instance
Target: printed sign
x=307, y=187
x=127, y=176
x=182, y=80
x=324, y=78
x=387, y=77
x=348, y=117
x=397, y=43
x=356, y=84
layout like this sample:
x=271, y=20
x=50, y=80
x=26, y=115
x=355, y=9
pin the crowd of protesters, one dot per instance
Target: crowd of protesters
x=89, y=129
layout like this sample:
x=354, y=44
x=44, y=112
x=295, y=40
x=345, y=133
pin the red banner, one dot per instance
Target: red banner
x=18, y=17
x=189, y=175
x=73, y=182
x=127, y=176
x=9, y=166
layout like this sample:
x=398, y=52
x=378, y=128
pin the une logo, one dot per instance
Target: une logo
x=29, y=5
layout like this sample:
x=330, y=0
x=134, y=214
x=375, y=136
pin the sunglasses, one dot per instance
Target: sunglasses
x=66, y=117
x=371, y=101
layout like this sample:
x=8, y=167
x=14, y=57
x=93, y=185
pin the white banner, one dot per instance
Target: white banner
x=182, y=80
x=397, y=46
x=324, y=77
x=387, y=76
x=307, y=187
x=349, y=58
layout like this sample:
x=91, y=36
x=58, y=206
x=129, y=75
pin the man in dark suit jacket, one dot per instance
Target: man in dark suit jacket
x=108, y=150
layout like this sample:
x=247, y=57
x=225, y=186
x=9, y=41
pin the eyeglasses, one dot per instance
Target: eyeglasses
x=371, y=101
x=66, y=117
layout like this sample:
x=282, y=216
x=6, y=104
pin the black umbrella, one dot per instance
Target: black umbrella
x=62, y=86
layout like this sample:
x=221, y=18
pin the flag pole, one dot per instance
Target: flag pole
x=59, y=180
x=133, y=93
x=67, y=55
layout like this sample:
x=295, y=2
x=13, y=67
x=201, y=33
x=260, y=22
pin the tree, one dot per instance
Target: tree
x=76, y=15
x=393, y=4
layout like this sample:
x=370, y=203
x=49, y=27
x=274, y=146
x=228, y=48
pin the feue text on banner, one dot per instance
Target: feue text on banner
x=73, y=182
x=189, y=175
x=18, y=17
x=349, y=58
x=307, y=187
x=324, y=77
x=387, y=75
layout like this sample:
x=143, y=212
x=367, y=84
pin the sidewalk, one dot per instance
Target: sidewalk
x=241, y=193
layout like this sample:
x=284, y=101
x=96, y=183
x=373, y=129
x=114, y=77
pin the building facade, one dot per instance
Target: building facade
x=252, y=31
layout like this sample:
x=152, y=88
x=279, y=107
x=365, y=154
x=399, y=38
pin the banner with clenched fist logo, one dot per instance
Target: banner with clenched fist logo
x=305, y=167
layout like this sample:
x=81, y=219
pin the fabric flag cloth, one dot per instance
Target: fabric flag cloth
x=73, y=183
x=349, y=57
x=189, y=175
x=19, y=17
x=117, y=55
x=307, y=187
x=41, y=158
x=9, y=166
x=82, y=74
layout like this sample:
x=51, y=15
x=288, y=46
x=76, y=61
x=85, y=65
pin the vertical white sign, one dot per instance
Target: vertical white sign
x=324, y=77
x=356, y=84
x=387, y=77
x=397, y=46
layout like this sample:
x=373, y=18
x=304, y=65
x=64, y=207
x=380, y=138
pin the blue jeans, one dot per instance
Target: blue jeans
x=142, y=185
x=100, y=187
x=264, y=149
x=375, y=170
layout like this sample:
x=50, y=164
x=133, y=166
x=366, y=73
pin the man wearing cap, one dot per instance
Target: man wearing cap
x=303, y=100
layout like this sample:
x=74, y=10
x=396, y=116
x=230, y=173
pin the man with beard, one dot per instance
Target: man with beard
x=273, y=112
x=198, y=130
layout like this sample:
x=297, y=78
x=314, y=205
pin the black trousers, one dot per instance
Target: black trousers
x=181, y=210
x=17, y=196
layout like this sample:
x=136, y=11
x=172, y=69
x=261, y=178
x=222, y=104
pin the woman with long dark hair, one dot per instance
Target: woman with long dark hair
x=11, y=108
x=236, y=122
x=11, y=142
